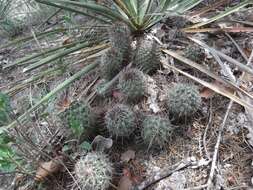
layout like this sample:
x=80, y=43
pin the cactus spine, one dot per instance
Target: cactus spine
x=156, y=131
x=183, y=100
x=120, y=120
x=93, y=172
x=147, y=57
x=132, y=84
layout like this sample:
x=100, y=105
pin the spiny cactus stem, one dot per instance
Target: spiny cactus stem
x=111, y=82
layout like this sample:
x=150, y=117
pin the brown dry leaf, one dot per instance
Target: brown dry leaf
x=47, y=168
x=206, y=93
x=66, y=41
x=64, y=102
x=127, y=156
x=101, y=143
x=125, y=182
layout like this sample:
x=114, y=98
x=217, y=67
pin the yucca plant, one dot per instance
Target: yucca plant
x=139, y=15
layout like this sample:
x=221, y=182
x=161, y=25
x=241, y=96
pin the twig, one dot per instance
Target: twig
x=216, y=148
x=237, y=47
x=164, y=174
x=200, y=187
x=206, y=129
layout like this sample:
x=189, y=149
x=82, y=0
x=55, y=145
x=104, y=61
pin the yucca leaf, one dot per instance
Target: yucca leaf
x=36, y=55
x=143, y=11
x=60, y=87
x=95, y=8
x=125, y=9
x=43, y=74
x=167, y=7
x=63, y=53
x=31, y=37
x=61, y=6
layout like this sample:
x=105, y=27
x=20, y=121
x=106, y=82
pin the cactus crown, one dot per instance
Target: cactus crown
x=112, y=63
x=77, y=117
x=93, y=172
x=156, y=131
x=132, y=84
x=194, y=53
x=120, y=120
x=147, y=57
x=183, y=100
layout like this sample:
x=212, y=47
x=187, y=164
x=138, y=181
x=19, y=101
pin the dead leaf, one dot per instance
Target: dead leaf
x=125, y=182
x=47, y=168
x=127, y=156
x=66, y=41
x=101, y=143
x=206, y=93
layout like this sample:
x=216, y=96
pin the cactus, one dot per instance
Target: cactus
x=156, y=131
x=131, y=84
x=183, y=100
x=120, y=120
x=194, y=53
x=147, y=57
x=93, y=172
x=112, y=63
x=120, y=38
x=78, y=117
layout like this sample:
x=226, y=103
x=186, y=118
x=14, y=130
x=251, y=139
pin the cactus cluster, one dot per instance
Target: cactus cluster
x=111, y=63
x=147, y=57
x=183, y=100
x=156, y=131
x=132, y=84
x=194, y=53
x=120, y=120
x=78, y=117
x=93, y=171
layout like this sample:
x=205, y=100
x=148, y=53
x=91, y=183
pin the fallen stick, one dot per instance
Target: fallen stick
x=165, y=173
x=216, y=148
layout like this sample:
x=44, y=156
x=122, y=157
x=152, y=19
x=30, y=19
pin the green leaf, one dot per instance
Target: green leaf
x=7, y=166
x=76, y=126
x=86, y=146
